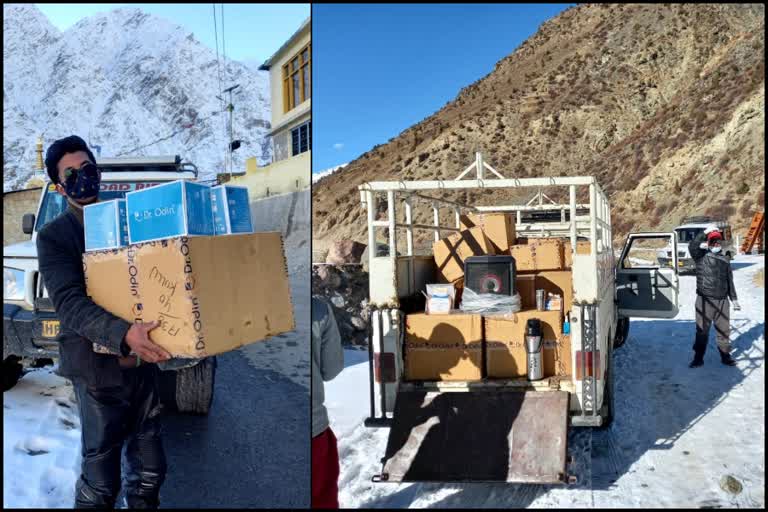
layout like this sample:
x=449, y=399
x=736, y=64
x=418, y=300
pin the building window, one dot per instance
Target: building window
x=301, y=138
x=296, y=79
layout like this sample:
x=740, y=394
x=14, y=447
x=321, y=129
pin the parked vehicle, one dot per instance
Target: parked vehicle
x=686, y=232
x=431, y=422
x=30, y=325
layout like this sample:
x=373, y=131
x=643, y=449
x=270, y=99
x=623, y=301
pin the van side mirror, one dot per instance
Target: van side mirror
x=28, y=223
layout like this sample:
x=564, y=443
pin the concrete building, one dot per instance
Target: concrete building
x=290, y=70
x=17, y=203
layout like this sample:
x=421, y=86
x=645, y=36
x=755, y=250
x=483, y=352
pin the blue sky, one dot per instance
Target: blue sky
x=253, y=31
x=378, y=69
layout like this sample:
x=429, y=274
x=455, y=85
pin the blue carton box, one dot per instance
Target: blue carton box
x=105, y=225
x=231, y=210
x=178, y=208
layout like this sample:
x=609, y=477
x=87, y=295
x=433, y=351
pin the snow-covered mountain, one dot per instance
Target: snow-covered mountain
x=123, y=80
x=327, y=172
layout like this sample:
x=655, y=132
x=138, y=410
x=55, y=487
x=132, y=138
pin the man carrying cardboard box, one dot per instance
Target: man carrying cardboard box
x=117, y=396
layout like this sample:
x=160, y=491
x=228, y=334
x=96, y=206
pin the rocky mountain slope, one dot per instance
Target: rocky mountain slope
x=664, y=104
x=122, y=80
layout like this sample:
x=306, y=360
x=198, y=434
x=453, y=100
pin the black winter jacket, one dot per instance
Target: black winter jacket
x=714, y=276
x=60, y=248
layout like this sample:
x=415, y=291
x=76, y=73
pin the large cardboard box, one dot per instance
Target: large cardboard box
x=505, y=341
x=211, y=294
x=451, y=252
x=582, y=247
x=443, y=347
x=533, y=254
x=178, y=208
x=557, y=357
x=105, y=225
x=558, y=282
x=498, y=227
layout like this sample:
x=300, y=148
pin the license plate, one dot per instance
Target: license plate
x=50, y=328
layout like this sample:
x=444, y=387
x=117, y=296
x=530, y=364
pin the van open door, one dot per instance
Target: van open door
x=643, y=287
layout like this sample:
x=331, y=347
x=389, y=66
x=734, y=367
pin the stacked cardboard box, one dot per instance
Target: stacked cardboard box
x=505, y=343
x=582, y=247
x=498, y=227
x=178, y=208
x=482, y=234
x=556, y=282
x=106, y=226
x=443, y=347
x=533, y=254
x=451, y=252
x=450, y=347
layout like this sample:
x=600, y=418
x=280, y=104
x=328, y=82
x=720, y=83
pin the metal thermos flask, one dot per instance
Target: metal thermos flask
x=533, y=349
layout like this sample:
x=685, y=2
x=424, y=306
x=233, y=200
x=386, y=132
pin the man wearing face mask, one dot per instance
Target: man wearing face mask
x=714, y=287
x=117, y=395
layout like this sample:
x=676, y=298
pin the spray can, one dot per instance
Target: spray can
x=533, y=349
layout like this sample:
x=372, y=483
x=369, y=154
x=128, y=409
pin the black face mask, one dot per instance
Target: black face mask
x=82, y=183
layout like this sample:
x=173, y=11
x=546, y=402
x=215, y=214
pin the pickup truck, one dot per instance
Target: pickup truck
x=30, y=326
x=510, y=430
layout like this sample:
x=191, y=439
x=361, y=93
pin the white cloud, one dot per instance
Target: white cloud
x=338, y=146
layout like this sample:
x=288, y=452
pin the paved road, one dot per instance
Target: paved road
x=251, y=451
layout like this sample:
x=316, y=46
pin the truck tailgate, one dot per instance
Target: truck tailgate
x=478, y=436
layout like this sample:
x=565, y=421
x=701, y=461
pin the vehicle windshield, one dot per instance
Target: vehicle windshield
x=687, y=235
x=54, y=204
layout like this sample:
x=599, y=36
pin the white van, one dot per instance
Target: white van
x=686, y=232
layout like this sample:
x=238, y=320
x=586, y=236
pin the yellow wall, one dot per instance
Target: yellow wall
x=276, y=81
x=281, y=177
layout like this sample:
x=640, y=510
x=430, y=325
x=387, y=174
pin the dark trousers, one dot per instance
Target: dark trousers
x=712, y=311
x=325, y=470
x=111, y=418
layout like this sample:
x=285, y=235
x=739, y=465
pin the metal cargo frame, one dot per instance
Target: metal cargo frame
x=595, y=226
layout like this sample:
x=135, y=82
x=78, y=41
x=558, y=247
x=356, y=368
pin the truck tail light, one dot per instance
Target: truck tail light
x=592, y=364
x=384, y=367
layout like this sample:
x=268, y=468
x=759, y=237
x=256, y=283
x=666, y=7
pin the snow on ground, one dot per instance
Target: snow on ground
x=677, y=431
x=41, y=442
x=317, y=176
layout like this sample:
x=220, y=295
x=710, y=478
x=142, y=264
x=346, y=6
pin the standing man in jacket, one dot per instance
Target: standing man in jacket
x=117, y=395
x=327, y=363
x=714, y=287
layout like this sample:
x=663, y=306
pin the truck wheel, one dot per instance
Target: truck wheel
x=12, y=372
x=622, y=332
x=607, y=408
x=189, y=390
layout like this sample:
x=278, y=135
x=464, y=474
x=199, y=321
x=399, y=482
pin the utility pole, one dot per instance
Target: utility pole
x=231, y=146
